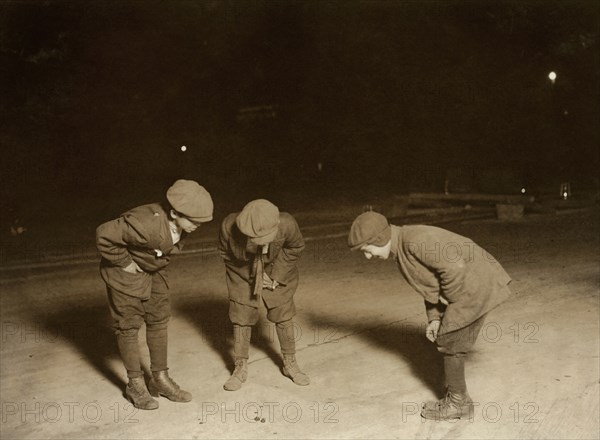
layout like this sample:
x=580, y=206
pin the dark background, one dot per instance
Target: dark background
x=97, y=98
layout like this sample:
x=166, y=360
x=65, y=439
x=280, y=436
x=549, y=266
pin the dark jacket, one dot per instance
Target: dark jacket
x=445, y=267
x=141, y=235
x=280, y=262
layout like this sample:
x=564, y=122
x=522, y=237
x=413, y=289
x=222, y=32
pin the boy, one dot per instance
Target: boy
x=135, y=250
x=260, y=247
x=460, y=283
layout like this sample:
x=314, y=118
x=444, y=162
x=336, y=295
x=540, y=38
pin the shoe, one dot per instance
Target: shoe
x=161, y=384
x=239, y=375
x=137, y=393
x=453, y=406
x=292, y=370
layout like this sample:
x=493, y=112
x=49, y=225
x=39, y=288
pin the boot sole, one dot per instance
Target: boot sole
x=238, y=383
x=435, y=415
x=130, y=399
x=155, y=393
x=286, y=373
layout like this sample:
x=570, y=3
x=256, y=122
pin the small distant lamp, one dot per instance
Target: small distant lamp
x=565, y=190
x=552, y=76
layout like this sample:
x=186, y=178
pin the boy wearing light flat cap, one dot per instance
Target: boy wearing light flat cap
x=261, y=247
x=136, y=250
x=460, y=283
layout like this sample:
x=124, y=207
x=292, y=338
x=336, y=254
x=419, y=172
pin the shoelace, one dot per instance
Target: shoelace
x=293, y=367
x=172, y=382
x=447, y=402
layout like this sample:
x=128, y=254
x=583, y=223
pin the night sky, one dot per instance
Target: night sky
x=290, y=97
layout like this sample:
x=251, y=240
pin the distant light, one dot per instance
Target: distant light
x=183, y=148
x=522, y=190
x=565, y=190
x=552, y=76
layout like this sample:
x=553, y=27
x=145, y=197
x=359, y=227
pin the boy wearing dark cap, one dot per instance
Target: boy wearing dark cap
x=260, y=247
x=136, y=250
x=460, y=283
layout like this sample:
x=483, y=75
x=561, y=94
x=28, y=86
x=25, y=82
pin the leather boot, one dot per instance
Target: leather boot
x=453, y=406
x=239, y=375
x=138, y=395
x=162, y=384
x=292, y=370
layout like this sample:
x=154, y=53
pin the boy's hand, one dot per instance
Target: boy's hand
x=432, y=329
x=133, y=268
x=268, y=283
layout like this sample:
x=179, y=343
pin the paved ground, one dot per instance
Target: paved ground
x=534, y=373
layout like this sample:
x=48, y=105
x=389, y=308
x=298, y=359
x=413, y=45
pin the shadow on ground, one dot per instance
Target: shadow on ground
x=211, y=319
x=87, y=328
x=406, y=340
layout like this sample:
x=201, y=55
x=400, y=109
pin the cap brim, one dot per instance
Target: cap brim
x=265, y=238
x=384, y=236
x=357, y=247
x=200, y=219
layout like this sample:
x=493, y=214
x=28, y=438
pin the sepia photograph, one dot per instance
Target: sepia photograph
x=299, y=219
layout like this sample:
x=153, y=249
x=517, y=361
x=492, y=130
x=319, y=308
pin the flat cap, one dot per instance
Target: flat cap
x=192, y=200
x=259, y=221
x=369, y=228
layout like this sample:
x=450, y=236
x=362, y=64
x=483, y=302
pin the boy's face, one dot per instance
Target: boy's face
x=184, y=223
x=381, y=252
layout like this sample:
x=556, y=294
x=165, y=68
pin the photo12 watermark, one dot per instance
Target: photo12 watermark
x=268, y=412
x=489, y=412
x=68, y=412
x=12, y=331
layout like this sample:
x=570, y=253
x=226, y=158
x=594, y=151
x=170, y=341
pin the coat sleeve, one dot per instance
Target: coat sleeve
x=434, y=311
x=285, y=263
x=223, y=244
x=113, y=239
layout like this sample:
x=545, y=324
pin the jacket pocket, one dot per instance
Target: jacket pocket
x=138, y=285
